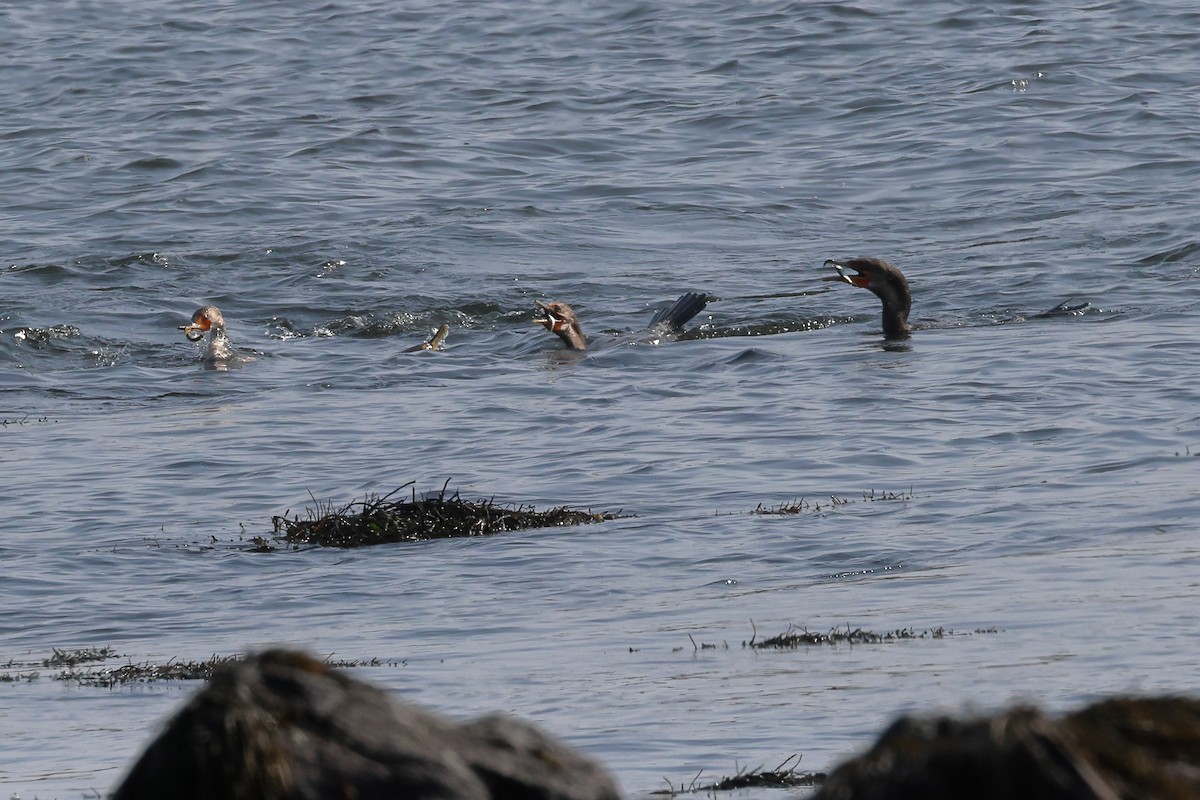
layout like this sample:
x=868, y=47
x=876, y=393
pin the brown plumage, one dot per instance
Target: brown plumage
x=560, y=318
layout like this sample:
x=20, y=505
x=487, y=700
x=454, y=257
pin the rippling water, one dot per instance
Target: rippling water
x=340, y=178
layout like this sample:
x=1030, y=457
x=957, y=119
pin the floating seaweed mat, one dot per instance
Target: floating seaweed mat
x=782, y=777
x=146, y=673
x=798, y=638
x=380, y=520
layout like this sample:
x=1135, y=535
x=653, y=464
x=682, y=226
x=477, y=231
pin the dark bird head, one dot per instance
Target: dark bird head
x=886, y=282
x=559, y=318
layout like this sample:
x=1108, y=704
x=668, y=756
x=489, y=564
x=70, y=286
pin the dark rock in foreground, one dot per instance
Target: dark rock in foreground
x=283, y=725
x=1117, y=749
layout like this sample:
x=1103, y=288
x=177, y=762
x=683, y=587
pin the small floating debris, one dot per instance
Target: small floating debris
x=782, y=777
x=71, y=658
x=803, y=505
x=380, y=520
x=4, y=423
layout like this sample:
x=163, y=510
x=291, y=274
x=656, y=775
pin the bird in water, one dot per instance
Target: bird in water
x=560, y=318
x=891, y=287
x=884, y=281
x=207, y=324
x=436, y=342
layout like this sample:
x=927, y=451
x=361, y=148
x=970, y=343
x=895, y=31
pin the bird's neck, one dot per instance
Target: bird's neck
x=573, y=336
x=896, y=305
x=218, y=348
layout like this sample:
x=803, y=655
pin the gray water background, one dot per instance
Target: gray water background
x=341, y=177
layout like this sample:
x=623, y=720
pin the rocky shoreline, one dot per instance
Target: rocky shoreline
x=283, y=724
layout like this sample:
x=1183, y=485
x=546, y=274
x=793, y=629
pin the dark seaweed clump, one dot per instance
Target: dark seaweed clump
x=146, y=673
x=67, y=665
x=380, y=520
x=71, y=658
x=801, y=637
x=782, y=777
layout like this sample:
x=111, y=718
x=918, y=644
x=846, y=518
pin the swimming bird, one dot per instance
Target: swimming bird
x=887, y=283
x=561, y=319
x=207, y=321
x=436, y=342
x=891, y=287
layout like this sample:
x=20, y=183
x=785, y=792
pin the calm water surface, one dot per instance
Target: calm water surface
x=340, y=178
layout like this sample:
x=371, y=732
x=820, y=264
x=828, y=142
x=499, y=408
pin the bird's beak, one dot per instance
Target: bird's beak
x=551, y=321
x=194, y=333
x=858, y=279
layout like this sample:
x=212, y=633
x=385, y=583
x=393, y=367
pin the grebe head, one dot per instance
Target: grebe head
x=205, y=319
x=560, y=319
